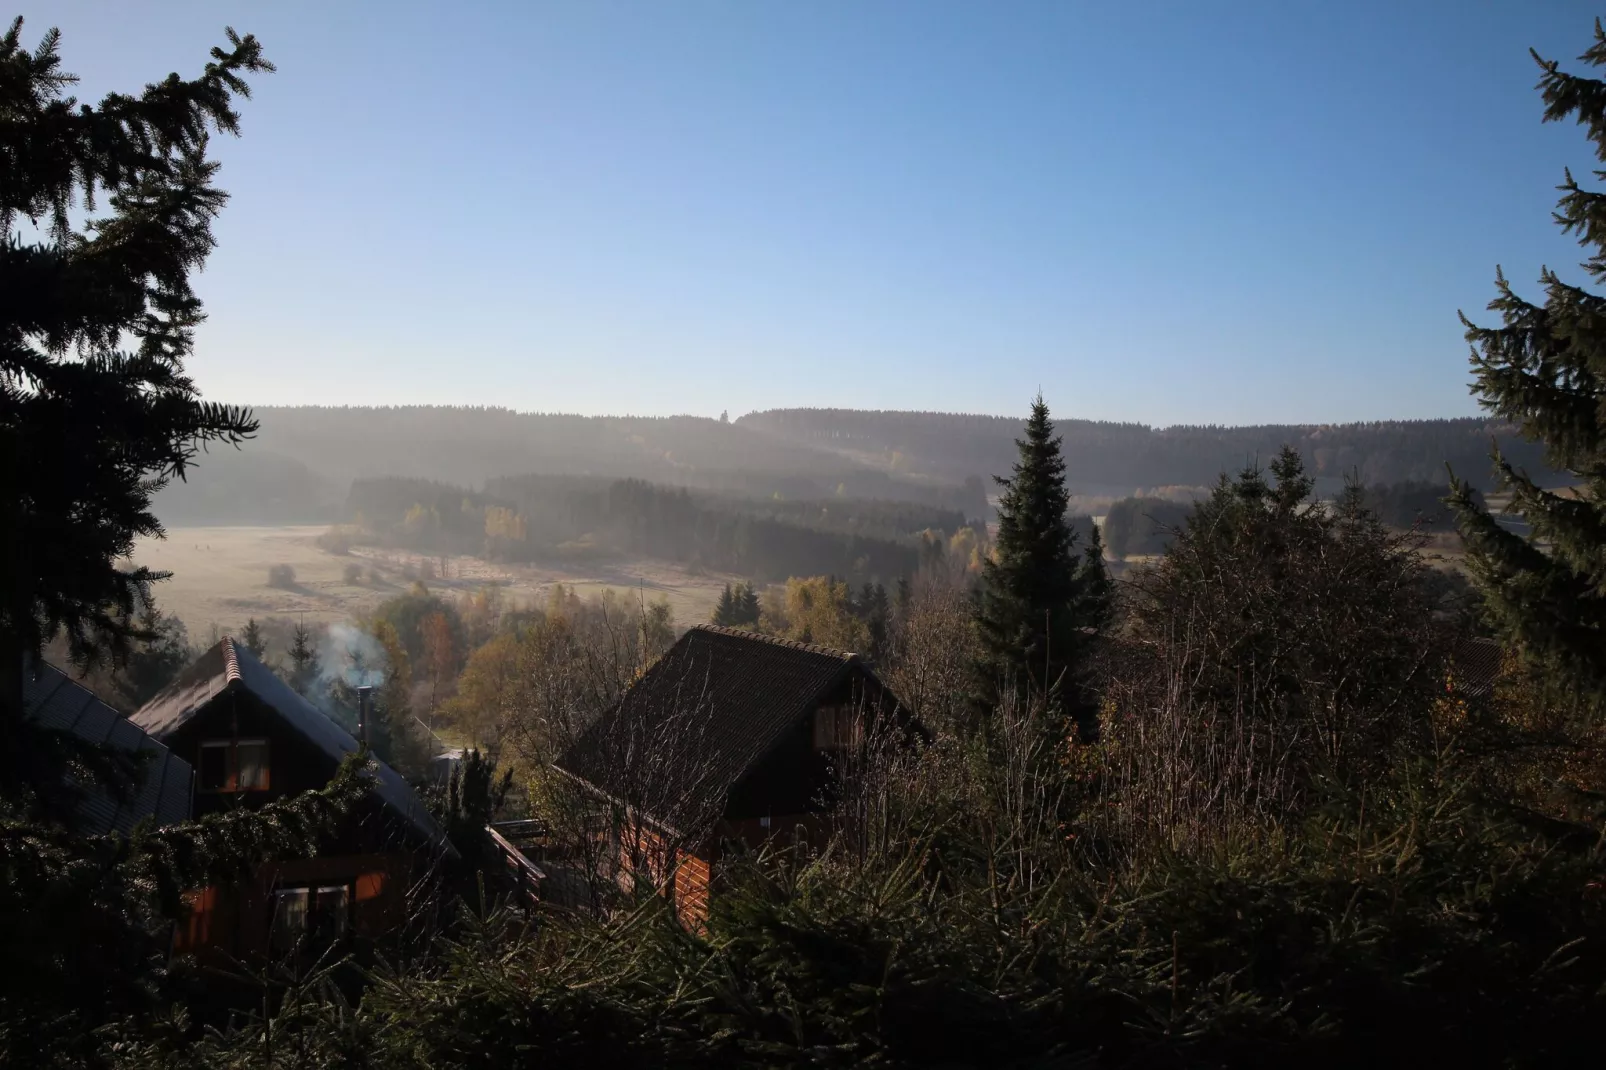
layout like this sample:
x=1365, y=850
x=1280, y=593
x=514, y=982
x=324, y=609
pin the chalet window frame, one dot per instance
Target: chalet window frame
x=311, y=916
x=230, y=781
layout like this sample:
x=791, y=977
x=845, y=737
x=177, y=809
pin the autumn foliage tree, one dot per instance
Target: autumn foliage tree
x=440, y=656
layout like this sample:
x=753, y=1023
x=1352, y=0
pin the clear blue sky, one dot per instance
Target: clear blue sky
x=1166, y=212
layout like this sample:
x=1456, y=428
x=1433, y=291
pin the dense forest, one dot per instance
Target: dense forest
x=304, y=458
x=1103, y=458
x=530, y=518
x=1145, y=525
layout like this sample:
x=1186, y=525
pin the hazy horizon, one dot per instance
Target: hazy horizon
x=734, y=416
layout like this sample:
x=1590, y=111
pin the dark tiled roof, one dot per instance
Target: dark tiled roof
x=743, y=689
x=52, y=699
x=228, y=666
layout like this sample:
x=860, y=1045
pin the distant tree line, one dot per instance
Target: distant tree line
x=1415, y=504
x=305, y=456
x=1101, y=455
x=468, y=445
x=1142, y=526
x=250, y=487
x=531, y=517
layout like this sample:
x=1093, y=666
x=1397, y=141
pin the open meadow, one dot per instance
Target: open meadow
x=220, y=577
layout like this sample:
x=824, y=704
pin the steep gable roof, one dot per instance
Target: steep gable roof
x=52, y=699
x=746, y=689
x=227, y=667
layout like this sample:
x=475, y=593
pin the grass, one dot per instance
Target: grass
x=220, y=577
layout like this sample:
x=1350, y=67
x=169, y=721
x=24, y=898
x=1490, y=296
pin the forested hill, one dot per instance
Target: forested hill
x=300, y=465
x=1120, y=457
x=472, y=444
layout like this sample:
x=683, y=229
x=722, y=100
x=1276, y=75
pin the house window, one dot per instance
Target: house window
x=234, y=765
x=310, y=916
x=836, y=726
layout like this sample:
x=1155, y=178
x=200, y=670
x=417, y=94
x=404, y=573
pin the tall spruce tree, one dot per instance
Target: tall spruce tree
x=251, y=635
x=1544, y=369
x=725, y=611
x=304, y=668
x=89, y=432
x=1040, y=599
x=747, y=607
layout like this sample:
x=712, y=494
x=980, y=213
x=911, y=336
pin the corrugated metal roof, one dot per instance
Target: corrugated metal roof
x=751, y=687
x=53, y=699
x=228, y=666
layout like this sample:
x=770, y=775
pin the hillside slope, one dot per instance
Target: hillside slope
x=1120, y=458
x=304, y=459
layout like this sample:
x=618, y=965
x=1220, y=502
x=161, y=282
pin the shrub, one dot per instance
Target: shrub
x=1297, y=640
x=353, y=574
x=281, y=576
x=337, y=540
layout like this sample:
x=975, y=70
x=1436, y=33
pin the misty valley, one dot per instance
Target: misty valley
x=428, y=735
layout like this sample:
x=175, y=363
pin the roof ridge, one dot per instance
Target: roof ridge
x=776, y=640
x=231, y=660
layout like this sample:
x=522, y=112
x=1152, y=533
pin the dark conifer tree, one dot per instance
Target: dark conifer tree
x=88, y=432
x=1098, y=590
x=304, y=669
x=747, y=607
x=87, y=435
x=1544, y=369
x=725, y=611
x=878, y=619
x=1040, y=599
x=251, y=635
x=155, y=659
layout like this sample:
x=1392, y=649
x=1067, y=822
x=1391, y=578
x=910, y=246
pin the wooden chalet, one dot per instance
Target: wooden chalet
x=746, y=729
x=252, y=739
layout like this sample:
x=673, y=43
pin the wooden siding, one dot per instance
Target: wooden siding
x=294, y=765
x=691, y=889
x=225, y=923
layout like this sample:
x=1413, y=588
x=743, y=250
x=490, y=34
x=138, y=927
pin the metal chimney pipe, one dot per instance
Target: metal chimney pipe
x=362, y=715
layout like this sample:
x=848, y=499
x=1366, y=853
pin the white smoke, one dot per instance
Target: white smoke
x=352, y=656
